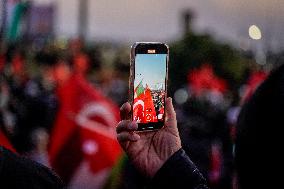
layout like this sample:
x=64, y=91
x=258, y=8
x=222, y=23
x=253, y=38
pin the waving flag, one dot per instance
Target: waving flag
x=138, y=105
x=150, y=113
x=83, y=142
x=143, y=106
x=139, y=89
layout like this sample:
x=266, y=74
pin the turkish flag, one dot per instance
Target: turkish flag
x=149, y=111
x=84, y=131
x=143, y=107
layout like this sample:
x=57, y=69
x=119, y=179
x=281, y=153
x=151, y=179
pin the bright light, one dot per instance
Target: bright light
x=181, y=96
x=254, y=32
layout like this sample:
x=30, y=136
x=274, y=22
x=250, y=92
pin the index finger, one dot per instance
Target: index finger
x=170, y=111
x=125, y=110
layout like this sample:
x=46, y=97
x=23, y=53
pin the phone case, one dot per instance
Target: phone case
x=132, y=72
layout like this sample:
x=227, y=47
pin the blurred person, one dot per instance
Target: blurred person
x=2, y=59
x=233, y=114
x=258, y=151
x=19, y=172
x=171, y=167
x=258, y=143
x=81, y=63
x=205, y=136
x=8, y=116
x=40, y=139
x=79, y=59
x=31, y=101
x=204, y=131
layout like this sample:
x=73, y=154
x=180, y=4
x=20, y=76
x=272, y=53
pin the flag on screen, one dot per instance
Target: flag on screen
x=143, y=106
x=139, y=89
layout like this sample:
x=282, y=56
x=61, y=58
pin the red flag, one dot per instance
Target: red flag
x=81, y=63
x=138, y=108
x=204, y=78
x=150, y=113
x=255, y=79
x=5, y=142
x=84, y=130
x=143, y=106
x=2, y=62
x=17, y=64
x=216, y=164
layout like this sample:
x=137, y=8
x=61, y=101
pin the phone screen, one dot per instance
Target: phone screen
x=149, y=89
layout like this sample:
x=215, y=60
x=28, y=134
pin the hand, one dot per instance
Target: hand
x=148, y=150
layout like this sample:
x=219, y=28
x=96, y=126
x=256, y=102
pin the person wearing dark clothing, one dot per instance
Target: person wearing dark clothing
x=178, y=172
x=203, y=133
x=19, y=172
x=259, y=149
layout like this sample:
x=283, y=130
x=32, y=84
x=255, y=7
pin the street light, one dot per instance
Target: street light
x=254, y=32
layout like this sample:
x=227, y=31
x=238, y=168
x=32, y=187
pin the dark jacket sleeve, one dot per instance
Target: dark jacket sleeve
x=178, y=172
x=20, y=172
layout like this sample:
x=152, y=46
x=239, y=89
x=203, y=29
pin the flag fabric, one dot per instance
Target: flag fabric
x=143, y=106
x=255, y=79
x=215, y=164
x=17, y=65
x=150, y=113
x=2, y=62
x=204, y=78
x=84, y=131
x=18, y=13
x=139, y=89
x=5, y=142
x=138, y=104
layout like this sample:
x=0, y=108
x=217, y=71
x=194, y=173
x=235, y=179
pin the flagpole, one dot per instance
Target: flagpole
x=83, y=14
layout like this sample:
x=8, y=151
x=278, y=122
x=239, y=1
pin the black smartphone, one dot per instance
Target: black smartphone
x=148, y=84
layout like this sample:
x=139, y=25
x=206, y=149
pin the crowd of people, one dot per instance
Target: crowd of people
x=206, y=122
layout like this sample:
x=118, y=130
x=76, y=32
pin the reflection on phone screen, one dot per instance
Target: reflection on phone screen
x=149, y=88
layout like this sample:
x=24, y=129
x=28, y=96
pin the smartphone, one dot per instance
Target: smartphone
x=148, y=84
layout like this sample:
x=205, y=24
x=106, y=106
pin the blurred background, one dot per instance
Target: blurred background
x=64, y=69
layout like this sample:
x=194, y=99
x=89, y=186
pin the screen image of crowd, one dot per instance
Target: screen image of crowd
x=148, y=104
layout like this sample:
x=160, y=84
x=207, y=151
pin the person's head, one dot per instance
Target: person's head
x=259, y=130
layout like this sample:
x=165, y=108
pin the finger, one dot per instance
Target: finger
x=126, y=125
x=126, y=136
x=170, y=111
x=125, y=111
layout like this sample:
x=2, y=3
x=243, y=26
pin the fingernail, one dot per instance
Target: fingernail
x=135, y=136
x=134, y=124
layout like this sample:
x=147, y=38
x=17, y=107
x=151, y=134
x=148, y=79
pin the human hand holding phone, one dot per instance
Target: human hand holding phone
x=148, y=150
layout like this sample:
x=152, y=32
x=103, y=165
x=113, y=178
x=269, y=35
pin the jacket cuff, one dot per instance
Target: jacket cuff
x=178, y=171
